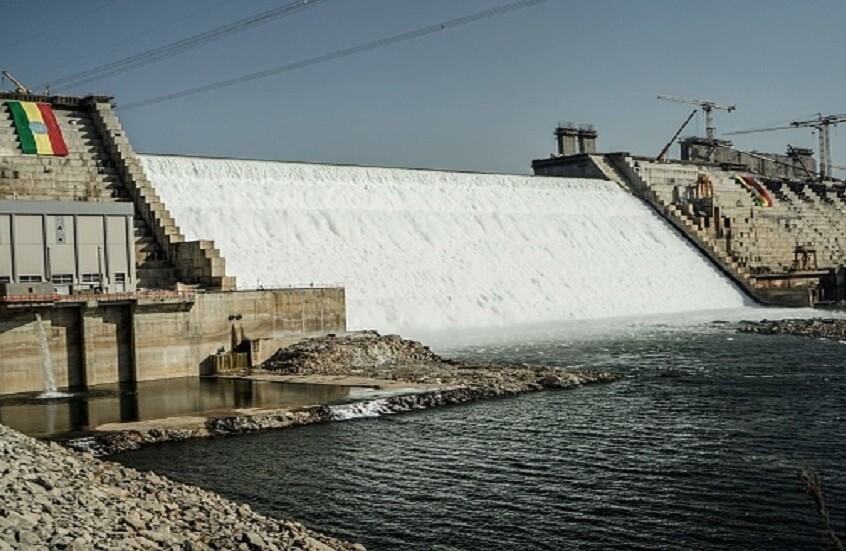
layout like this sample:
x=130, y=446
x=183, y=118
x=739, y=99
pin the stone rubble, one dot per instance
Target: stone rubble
x=390, y=357
x=54, y=498
x=832, y=329
x=360, y=352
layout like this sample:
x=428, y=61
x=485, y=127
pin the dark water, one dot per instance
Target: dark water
x=83, y=409
x=707, y=460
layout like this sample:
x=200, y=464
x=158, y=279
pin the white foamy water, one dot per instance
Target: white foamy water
x=421, y=251
x=358, y=410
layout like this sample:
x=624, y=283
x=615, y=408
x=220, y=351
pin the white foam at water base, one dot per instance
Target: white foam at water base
x=358, y=410
x=421, y=251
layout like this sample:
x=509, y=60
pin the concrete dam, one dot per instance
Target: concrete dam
x=423, y=251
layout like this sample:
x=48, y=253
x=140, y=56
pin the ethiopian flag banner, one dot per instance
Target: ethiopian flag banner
x=37, y=128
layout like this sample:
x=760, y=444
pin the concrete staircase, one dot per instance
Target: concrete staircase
x=192, y=262
x=757, y=246
x=720, y=249
x=610, y=171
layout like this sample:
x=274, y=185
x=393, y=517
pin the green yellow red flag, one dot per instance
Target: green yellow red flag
x=37, y=128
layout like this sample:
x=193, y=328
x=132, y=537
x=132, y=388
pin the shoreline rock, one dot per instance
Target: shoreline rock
x=54, y=498
x=112, y=443
x=822, y=328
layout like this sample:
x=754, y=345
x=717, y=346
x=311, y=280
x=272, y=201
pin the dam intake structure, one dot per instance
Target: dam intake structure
x=422, y=251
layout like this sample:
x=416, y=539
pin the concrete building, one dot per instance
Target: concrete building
x=72, y=247
x=88, y=247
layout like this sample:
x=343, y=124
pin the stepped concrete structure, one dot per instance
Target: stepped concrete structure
x=779, y=238
x=87, y=244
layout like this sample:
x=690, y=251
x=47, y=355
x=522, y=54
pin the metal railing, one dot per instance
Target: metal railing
x=99, y=297
x=290, y=287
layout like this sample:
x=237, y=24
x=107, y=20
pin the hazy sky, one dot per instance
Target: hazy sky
x=482, y=97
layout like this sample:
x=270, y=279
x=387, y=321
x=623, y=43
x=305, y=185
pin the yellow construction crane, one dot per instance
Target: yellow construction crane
x=19, y=88
x=706, y=106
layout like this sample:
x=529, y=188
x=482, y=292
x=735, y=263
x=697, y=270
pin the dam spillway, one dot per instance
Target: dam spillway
x=422, y=250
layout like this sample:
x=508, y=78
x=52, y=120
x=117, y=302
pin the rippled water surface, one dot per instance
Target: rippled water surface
x=698, y=446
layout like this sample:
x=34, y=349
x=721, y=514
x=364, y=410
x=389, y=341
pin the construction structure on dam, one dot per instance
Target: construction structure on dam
x=774, y=223
x=94, y=269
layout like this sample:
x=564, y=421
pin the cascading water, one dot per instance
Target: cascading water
x=421, y=250
x=50, y=390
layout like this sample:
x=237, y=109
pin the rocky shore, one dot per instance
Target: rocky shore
x=53, y=498
x=379, y=360
x=832, y=329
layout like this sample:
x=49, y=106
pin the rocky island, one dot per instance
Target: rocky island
x=403, y=374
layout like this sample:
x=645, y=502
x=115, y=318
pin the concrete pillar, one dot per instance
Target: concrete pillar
x=587, y=139
x=565, y=135
x=107, y=348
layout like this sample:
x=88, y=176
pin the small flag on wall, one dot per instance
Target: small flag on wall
x=37, y=128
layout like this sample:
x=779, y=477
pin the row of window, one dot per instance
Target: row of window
x=62, y=278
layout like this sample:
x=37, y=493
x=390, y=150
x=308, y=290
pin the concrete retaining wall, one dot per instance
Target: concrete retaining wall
x=146, y=340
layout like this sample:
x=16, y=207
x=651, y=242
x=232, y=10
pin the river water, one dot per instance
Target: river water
x=699, y=445
x=77, y=411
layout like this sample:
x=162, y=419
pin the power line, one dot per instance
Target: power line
x=129, y=39
x=180, y=46
x=382, y=42
x=79, y=16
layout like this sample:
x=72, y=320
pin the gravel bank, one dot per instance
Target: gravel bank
x=53, y=498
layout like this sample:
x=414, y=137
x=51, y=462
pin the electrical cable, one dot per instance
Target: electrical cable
x=387, y=41
x=178, y=47
x=58, y=26
x=128, y=39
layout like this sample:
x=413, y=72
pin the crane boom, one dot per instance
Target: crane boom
x=706, y=106
x=667, y=147
x=20, y=88
x=822, y=124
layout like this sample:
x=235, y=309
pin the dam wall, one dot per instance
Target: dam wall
x=157, y=337
x=422, y=251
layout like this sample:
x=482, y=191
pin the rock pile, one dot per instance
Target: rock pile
x=341, y=355
x=391, y=357
x=833, y=329
x=53, y=498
